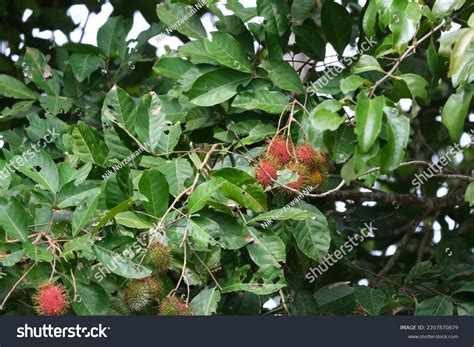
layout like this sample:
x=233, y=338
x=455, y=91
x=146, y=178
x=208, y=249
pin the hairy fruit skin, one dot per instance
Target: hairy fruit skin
x=173, y=306
x=305, y=154
x=140, y=293
x=266, y=168
x=316, y=178
x=160, y=257
x=51, y=300
x=301, y=182
x=280, y=149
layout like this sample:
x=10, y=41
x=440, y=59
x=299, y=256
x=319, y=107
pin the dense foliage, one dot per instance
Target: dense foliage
x=137, y=184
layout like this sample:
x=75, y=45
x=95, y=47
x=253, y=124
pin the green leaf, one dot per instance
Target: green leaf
x=132, y=220
x=443, y=8
x=154, y=186
x=179, y=17
x=41, y=169
x=322, y=119
x=119, y=264
x=416, y=84
x=13, y=88
x=369, y=113
x=217, y=86
x=301, y=9
x=119, y=106
x=283, y=75
x=88, y=145
x=312, y=235
x=370, y=18
x=404, y=21
x=14, y=220
x=83, y=65
x=111, y=37
x=371, y=299
x=276, y=14
x=265, y=281
x=366, y=63
x=177, y=172
x=202, y=232
x=171, y=67
x=287, y=213
x=72, y=195
x=16, y=108
x=203, y=193
x=329, y=295
x=440, y=305
x=266, y=248
x=37, y=253
x=469, y=195
x=55, y=104
x=93, y=300
x=38, y=70
x=309, y=41
x=459, y=51
x=205, y=303
x=262, y=99
x=337, y=25
x=398, y=131
x=418, y=270
x=83, y=213
x=225, y=49
x=197, y=51
x=351, y=83
x=454, y=112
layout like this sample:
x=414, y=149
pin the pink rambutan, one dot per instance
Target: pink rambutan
x=266, y=171
x=306, y=154
x=280, y=149
x=51, y=300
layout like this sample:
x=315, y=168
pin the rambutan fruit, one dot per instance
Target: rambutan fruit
x=160, y=256
x=51, y=300
x=316, y=178
x=321, y=161
x=280, y=148
x=301, y=182
x=141, y=292
x=266, y=171
x=173, y=306
x=305, y=154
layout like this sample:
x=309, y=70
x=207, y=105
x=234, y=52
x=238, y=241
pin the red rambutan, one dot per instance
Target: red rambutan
x=51, y=300
x=280, y=149
x=306, y=154
x=266, y=171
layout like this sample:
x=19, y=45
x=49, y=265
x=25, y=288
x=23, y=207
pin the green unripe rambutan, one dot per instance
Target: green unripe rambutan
x=141, y=292
x=160, y=256
x=173, y=306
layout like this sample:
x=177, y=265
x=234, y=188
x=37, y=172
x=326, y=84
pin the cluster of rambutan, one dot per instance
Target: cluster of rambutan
x=140, y=293
x=309, y=164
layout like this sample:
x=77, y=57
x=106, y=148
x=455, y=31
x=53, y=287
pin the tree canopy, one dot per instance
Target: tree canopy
x=317, y=153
